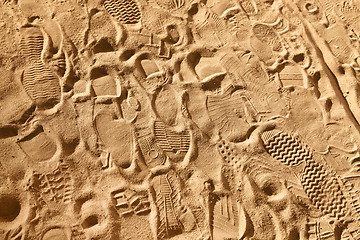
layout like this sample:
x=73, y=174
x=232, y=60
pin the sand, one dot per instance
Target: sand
x=180, y=119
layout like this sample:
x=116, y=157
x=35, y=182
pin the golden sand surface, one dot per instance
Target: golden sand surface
x=179, y=119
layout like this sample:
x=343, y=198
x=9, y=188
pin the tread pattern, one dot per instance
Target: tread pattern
x=225, y=219
x=226, y=111
x=55, y=186
x=170, y=4
x=171, y=141
x=266, y=34
x=125, y=11
x=248, y=7
x=324, y=190
x=39, y=82
x=228, y=154
x=167, y=201
x=285, y=148
x=129, y=201
x=320, y=185
x=31, y=44
x=152, y=153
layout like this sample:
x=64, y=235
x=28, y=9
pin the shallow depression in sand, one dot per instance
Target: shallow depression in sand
x=9, y=208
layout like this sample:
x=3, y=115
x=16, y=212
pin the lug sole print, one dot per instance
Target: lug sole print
x=125, y=11
x=323, y=187
x=39, y=82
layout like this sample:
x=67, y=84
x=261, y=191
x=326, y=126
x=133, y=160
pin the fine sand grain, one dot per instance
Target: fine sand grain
x=179, y=119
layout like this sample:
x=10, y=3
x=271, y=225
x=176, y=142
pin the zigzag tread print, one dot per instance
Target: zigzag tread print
x=125, y=11
x=285, y=148
x=320, y=185
x=324, y=190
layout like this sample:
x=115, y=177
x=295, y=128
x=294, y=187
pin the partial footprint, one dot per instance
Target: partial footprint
x=226, y=218
x=37, y=145
x=167, y=190
x=129, y=202
x=116, y=135
x=227, y=112
x=126, y=11
x=53, y=187
x=174, y=144
x=56, y=234
x=267, y=35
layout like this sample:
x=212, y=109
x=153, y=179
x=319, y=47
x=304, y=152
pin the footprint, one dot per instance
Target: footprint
x=39, y=82
x=167, y=106
x=102, y=83
x=174, y=144
x=14, y=213
x=227, y=112
x=249, y=7
x=167, y=190
x=152, y=77
x=31, y=43
x=267, y=35
x=225, y=218
x=33, y=9
x=116, y=135
x=128, y=201
x=53, y=187
x=92, y=210
x=37, y=145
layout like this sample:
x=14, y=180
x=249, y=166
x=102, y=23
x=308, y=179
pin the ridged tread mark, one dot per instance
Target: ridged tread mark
x=31, y=43
x=167, y=201
x=285, y=148
x=55, y=186
x=226, y=111
x=170, y=4
x=125, y=11
x=321, y=186
x=171, y=141
x=39, y=82
x=225, y=216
